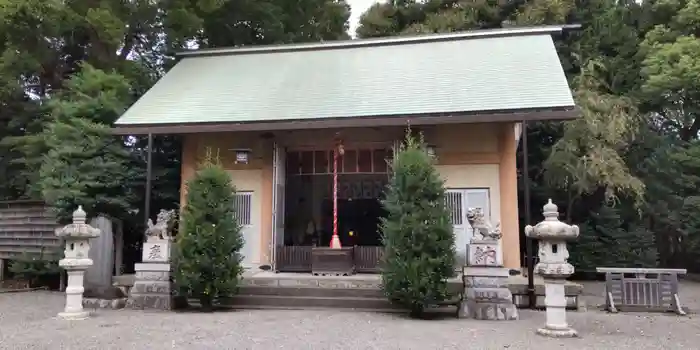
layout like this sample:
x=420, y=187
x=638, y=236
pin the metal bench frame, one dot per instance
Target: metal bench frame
x=642, y=289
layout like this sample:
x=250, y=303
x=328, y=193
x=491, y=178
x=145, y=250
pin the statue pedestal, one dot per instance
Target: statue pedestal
x=152, y=283
x=486, y=293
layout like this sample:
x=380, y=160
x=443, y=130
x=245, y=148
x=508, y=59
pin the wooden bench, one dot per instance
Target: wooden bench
x=640, y=289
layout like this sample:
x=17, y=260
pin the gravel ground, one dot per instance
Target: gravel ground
x=27, y=322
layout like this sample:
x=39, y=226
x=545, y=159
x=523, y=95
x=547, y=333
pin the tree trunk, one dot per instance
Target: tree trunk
x=205, y=300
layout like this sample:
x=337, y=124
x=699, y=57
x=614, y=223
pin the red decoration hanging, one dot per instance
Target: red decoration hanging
x=338, y=150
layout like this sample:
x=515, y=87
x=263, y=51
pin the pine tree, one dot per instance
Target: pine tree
x=419, y=244
x=80, y=161
x=207, y=256
x=604, y=232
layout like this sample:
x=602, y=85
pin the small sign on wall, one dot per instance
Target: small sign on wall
x=242, y=156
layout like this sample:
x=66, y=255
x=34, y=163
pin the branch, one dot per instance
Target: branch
x=130, y=39
x=129, y=42
x=692, y=131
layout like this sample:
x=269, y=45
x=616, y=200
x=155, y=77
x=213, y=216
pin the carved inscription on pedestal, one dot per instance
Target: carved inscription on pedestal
x=156, y=251
x=484, y=255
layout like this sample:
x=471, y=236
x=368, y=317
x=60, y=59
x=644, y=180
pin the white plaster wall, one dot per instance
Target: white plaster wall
x=475, y=176
x=251, y=181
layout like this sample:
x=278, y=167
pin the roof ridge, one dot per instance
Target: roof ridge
x=385, y=41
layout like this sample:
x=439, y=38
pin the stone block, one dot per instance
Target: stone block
x=153, y=266
x=487, y=271
x=118, y=303
x=491, y=295
x=489, y=311
x=152, y=276
x=487, y=282
x=156, y=250
x=485, y=253
x=95, y=303
x=151, y=287
x=157, y=302
x=293, y=282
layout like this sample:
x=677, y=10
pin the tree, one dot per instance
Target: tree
x=606, y=231
x=583, y=162
x=207, y=258
x=81, y=162
x=419, y=244
x=401, y=17
x=589, y=156
x=671, y=66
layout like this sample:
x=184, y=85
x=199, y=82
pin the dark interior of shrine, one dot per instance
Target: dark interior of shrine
x=309, y=199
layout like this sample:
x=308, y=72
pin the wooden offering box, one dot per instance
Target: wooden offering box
x=329, y=261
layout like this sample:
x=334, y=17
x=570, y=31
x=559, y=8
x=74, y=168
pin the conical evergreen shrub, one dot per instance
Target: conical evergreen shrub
x=418, y=239
x=207, y=258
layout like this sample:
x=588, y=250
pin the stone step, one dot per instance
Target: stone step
x=313, y=292
x=306, y=308
x=303, y=302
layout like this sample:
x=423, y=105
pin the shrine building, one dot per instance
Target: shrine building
x=275, y=114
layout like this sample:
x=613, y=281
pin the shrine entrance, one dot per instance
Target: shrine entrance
x=308, y=208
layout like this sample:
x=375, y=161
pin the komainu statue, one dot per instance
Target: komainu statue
x=161, y=229
x=475, y=217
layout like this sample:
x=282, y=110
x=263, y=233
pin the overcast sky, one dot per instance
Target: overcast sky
x=358, y=7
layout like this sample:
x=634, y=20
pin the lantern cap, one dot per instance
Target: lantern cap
x=79, y=215
x=79, y=229
x=551, y=228
x=550, y=210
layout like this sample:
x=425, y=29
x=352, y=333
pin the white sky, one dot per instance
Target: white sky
x=358, y=7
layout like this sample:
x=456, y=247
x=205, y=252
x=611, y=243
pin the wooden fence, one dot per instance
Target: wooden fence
x=27, y=227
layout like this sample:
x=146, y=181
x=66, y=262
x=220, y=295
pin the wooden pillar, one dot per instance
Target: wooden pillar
x=189, y=165
x=266, y=248
x=508, y=183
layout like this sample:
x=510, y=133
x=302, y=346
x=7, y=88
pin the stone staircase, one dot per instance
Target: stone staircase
x=267, y=290
x=361, y=292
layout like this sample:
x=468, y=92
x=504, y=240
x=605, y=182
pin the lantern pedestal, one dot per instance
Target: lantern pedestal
x=74, y=290
x=555, y=302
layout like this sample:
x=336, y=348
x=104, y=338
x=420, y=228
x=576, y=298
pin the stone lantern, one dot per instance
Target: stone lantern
x=554, y=268
x=76, y=238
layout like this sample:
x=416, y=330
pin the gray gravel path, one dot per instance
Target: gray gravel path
x=26, y=322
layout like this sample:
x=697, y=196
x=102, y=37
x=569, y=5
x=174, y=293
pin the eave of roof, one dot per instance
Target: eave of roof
x=564, y=113
x=385, y=41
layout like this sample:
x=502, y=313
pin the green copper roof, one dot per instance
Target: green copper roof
x=481, y=71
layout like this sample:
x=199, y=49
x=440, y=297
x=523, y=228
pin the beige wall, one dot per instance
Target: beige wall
x=256, y=176
x=469, y=156
x=250, y=181
x=483, y=156
x=475, y=176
